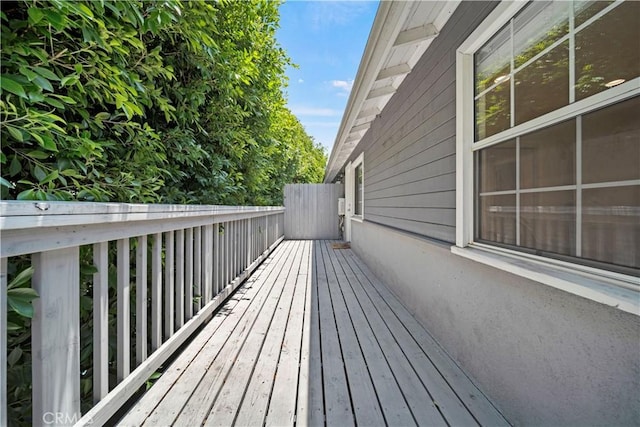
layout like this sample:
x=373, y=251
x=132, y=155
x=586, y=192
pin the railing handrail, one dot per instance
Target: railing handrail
x=22, y=214
x=57, y=222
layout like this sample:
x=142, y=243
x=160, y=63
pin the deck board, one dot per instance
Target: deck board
x=313, y=337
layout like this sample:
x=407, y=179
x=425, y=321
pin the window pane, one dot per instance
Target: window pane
x=498, y=219
x=358, y=190
x=543, y=85
x=493, y=61
x=497, y=167
x=537, y=27
x=548, y=221
x=611, y=225
x=583, y=10
x=611, y=143
x=492, y=111
x=608, y=50
x=548, y=156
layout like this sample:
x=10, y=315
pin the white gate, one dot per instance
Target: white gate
x=312, y=211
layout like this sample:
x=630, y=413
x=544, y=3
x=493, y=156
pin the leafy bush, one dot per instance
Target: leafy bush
x=150, y=102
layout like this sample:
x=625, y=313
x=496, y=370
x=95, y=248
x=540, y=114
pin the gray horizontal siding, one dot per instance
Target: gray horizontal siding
x=409, y=160
x=436, y=231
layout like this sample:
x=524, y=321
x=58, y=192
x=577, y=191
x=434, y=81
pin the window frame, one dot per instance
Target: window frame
x=359, y=161
x=465, y=175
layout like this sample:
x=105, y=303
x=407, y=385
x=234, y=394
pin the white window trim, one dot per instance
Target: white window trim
x=610, y=288
x=359, y=161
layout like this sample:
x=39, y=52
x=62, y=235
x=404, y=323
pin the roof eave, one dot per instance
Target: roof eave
x=390, y=20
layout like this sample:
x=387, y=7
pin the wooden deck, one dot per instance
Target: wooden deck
x=313, y=337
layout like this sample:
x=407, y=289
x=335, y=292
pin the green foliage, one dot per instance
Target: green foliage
x=170, y=101
x=130, y=101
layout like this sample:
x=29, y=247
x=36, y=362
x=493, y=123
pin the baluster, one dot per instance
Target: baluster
x=55, y=336
x=234, y=246
x=123, y=311
x=179, y=279
x=3, y=341
x=169, y=284
x=197, y=268
x=207, y=273
x=141, y=300
x=249, y=260
x=156, y=292
x=189, y=274
x=100, y=321
x=245, y=244
x=226, y=254
x=216, y=257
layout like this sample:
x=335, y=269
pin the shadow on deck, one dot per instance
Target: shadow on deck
x=313, y=337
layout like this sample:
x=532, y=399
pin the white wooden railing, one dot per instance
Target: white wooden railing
x=198, y=256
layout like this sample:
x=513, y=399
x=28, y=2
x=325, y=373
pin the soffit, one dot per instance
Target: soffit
x=401, y=33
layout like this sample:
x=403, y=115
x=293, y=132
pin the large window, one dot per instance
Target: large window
x=556, y=133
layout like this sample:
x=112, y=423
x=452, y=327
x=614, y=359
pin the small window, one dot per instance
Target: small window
x=359, y=190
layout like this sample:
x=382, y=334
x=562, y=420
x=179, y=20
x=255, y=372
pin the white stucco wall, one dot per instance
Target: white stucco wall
x=545, y=357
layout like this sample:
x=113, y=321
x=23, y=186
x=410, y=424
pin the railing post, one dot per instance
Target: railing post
x=3, y=342
x=56, y=337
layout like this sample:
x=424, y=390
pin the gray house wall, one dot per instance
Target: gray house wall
x=410, y=149
x=545, y=357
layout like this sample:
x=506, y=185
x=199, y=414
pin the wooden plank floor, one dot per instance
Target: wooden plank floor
x=313, y=337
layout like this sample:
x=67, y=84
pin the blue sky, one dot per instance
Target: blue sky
x=326, y=40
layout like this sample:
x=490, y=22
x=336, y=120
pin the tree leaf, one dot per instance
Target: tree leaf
x=27, y=73
x=54, y=18
x=35, y=15
x=47, y=74
x=15, y=166
x=48, y=143
x=38, y=173
x=21, y=279
x=86, y=10
x=5, y=183
x=69, y=80
x=37, y=154
x=9, y=84
x=20, y=299
x=43, y=83
x=16, y=133
x=66, y=99
x=14, y=356
x=71, y=172
x=54, y=103
x=53, y=175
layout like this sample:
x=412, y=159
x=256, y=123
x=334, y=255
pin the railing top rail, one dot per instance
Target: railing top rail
x=30, y=227
x=31, y=214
